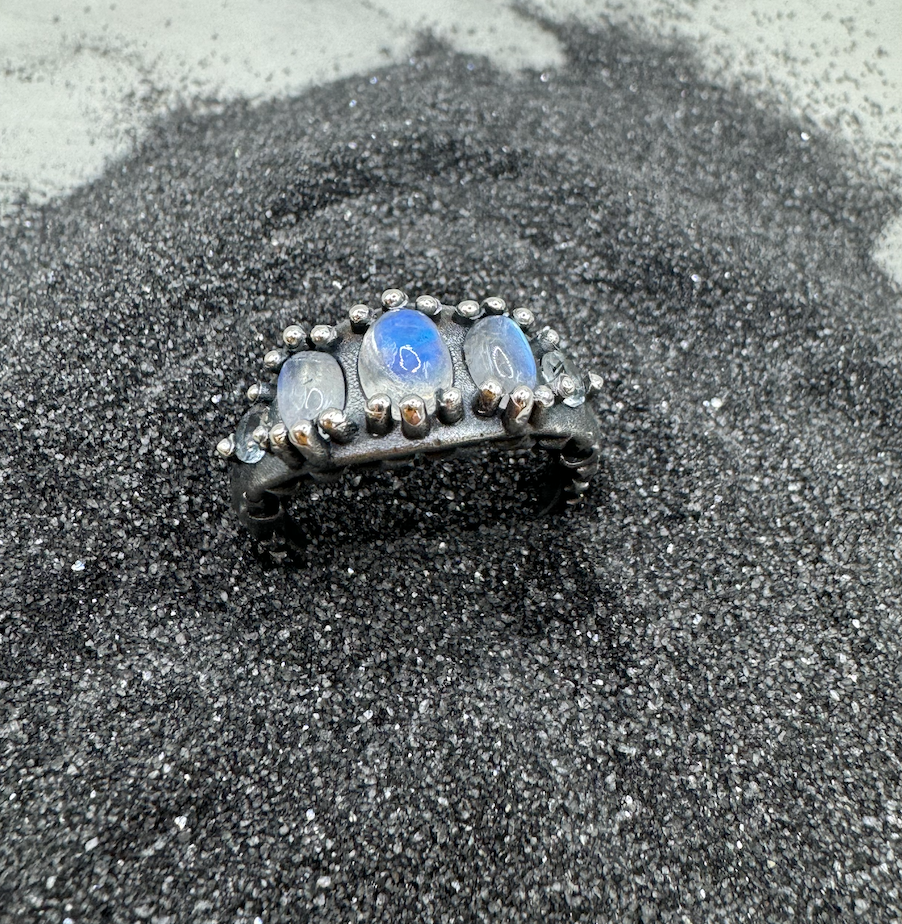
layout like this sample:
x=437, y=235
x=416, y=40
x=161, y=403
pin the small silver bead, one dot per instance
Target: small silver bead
x=449, y=405
x=519, y=408
x=261, y=436
x=294, y=337
x=393, y=298
x=280, y=445
x=596, y=383
x=429, y=305
x=524, y=318
x=378, y=415
x=564, y=385
x=261, y=391
x=489, y=398
x=543, y=398
x=361, y=316
x=415, y=421
x=323, y=336
x=305, y=436
x=337, y=426
x=548, y=339
x=274, y=360
x=468, y=310
x=226, y=447
x=494, y=305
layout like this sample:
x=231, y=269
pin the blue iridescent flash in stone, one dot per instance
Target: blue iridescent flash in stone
x=496, y=348
x=309, y=383
x=403, y=353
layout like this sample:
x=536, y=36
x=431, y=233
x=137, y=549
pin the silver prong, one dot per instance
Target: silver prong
x=323, y=337
x=429, y=305
x=226, y=447
x=280, y=445
x=494, y=305
x=564, y=386
x=449, y=405
x=294, y=337
x=310, y=444
x=543, y=398
x=393, y=298
x=361, y=316
x=274, y=360
x=415, y=421
x=548, y=339
x=468, y=310
x=261, y=436
x=261, y=391
x=519, y=407
x=489, y=398
x=378, y=415
x=524, y=318
x=596, y=383
x=337, y=426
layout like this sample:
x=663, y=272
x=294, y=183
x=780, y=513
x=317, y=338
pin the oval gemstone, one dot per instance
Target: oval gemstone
x=496, y=348
x=554, y=365
x=246, y=447
x=403, y=354
x=309, y=383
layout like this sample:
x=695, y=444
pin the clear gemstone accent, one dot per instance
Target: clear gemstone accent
x=554, y=365
x=309, y=383
x=246, y=447
x=403, y=353
x=496, y=348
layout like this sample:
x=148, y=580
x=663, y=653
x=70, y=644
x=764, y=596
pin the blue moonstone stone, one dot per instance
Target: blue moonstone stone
x=246, y=447
x=309, y=383
x=556, y=364
x=403, y=354
x=496, y=348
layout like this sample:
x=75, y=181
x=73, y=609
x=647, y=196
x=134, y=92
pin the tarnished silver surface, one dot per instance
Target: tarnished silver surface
x=362, y=434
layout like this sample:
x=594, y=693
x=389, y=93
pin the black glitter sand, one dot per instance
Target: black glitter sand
x=678, y=702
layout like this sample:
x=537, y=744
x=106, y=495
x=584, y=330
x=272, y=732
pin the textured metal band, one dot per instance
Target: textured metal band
x=260, y=489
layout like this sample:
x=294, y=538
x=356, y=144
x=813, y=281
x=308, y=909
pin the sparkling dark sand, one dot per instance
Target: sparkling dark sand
x=678, y=702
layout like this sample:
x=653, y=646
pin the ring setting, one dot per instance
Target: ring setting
x=407, y=379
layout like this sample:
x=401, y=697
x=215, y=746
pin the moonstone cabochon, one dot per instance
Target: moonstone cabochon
x=496, y=348
x=309, y=383
x=403, y=353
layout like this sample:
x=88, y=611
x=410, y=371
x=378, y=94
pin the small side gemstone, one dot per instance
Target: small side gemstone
x=404, y=354
x=554, y=365
x=246, y=447
x=495, y=348
x=309, y=383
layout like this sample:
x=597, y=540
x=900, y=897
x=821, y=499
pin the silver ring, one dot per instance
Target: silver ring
x=408, y=379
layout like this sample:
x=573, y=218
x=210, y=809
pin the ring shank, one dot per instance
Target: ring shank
x=259, y=490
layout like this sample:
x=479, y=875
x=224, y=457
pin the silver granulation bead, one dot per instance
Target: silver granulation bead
x=449, y=405
x=414, y=417
x=336, y=425
x=323, y=336
x=378, y=415
x=429, y=305
x=294, y=337
x=488, y=398
x=393, y=298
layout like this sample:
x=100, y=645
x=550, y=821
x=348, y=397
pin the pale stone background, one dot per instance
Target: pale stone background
x=80, y=80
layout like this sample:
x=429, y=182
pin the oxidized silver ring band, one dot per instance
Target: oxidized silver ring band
x=408, y=379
